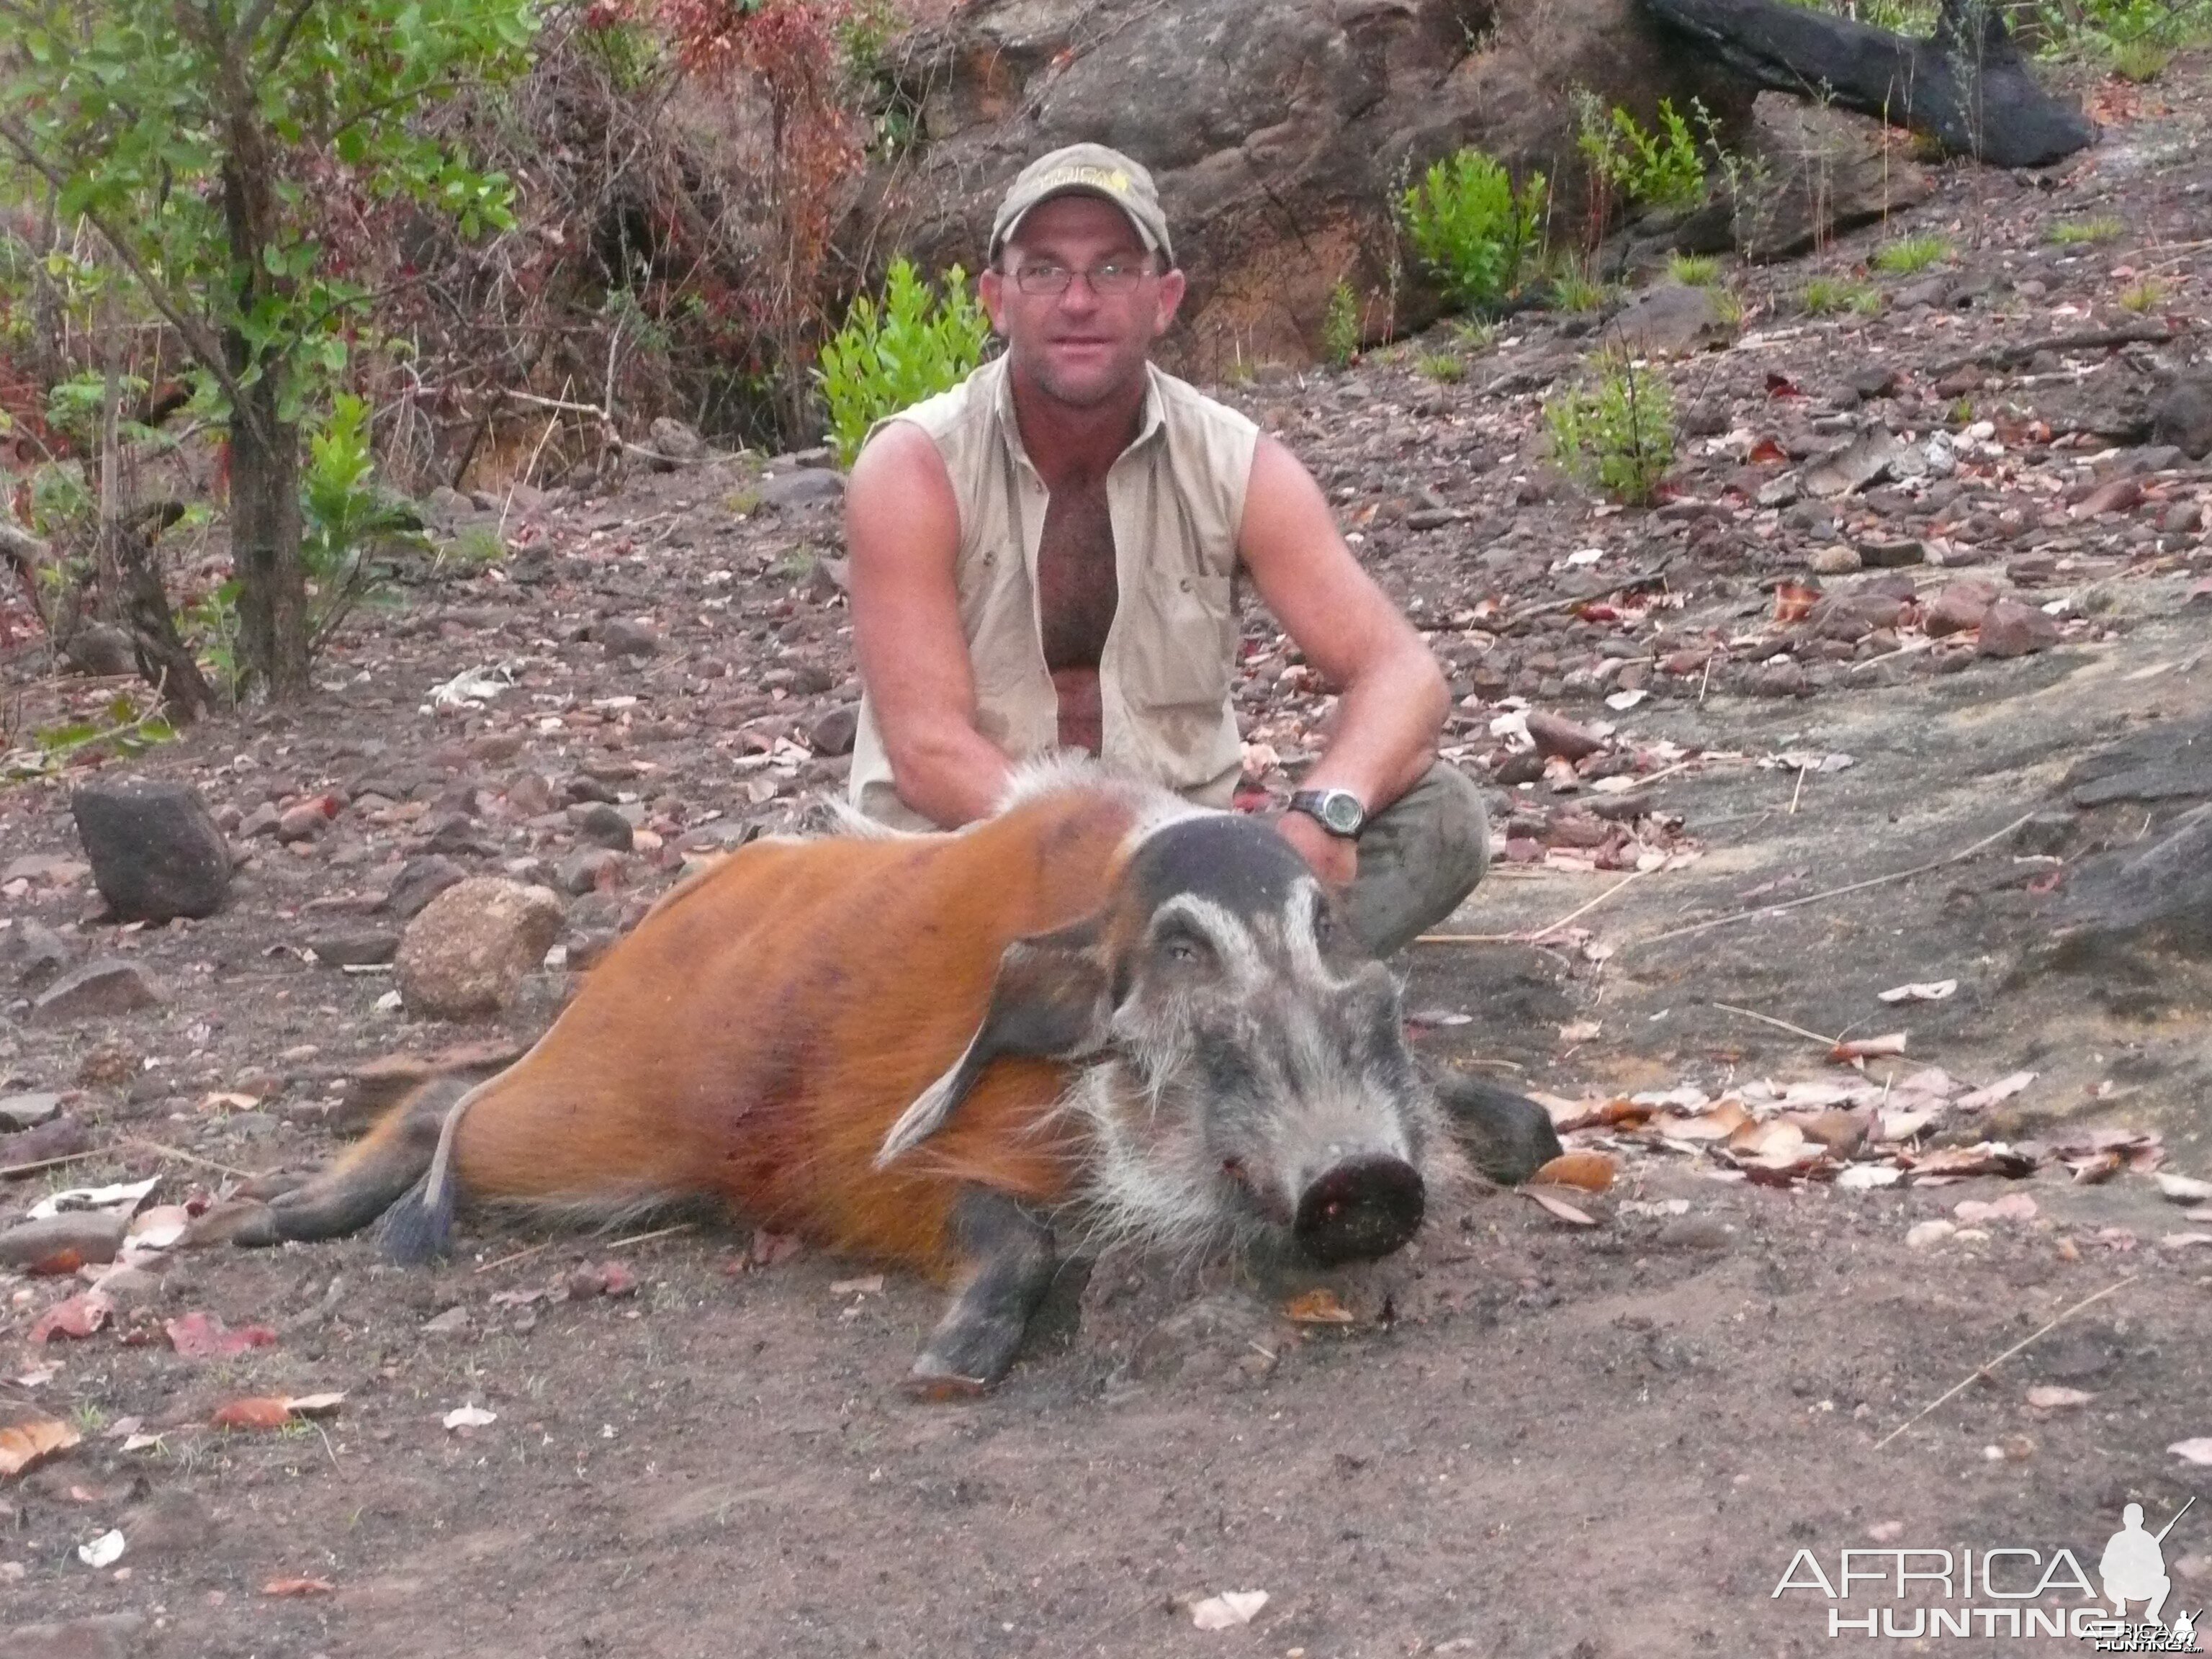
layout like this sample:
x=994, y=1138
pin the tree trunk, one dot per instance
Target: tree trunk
x=163, y=657
x=265, y=542
x=1967, y=87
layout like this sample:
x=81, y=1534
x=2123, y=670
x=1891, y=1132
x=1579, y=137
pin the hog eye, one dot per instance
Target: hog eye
x=1324, y=929
x=1179, y=946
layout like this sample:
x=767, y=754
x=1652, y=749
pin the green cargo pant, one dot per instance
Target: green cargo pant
x=1419, y=857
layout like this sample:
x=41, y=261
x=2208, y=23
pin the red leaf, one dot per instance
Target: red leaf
x=257, y=1412
x=57, y=1265
x=203, y=1336
x=79, y=1317
x=1779, y=385
x=1793, y=602
x=298, y=1587
x=1766, y=450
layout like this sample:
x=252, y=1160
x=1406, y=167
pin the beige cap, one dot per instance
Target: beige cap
x=1097, y=171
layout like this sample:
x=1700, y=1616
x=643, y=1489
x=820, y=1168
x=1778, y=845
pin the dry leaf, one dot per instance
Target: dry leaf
x=1317, y=1307
x=2002, y=1089
x=2198, y=1450
x=203, y=1336
x=1593, y=1172
x=79, y=1317
x=298, y=1587
x=32, y=1441
x=1559, y=1206
x=125, y=1195
x=316, y=1404
x=1228, y=1610
x=469, y=1417
x=1581, y=1030
x=2012, y=1206
x=1793, y=602
x=1930, y=990
x=870, y=1286
x=2183, y=1189
x=1860, y=1177
x=1873, y=1048
x=258, y=1412
x=2046, y=1397
x=104, y=1550
x=1723, y=1121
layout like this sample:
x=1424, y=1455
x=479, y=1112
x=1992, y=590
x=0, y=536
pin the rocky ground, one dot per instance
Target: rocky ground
x=1908, y=683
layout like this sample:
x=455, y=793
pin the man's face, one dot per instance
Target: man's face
x=1080, y=347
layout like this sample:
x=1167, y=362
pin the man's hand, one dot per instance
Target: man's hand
x=1333, y=859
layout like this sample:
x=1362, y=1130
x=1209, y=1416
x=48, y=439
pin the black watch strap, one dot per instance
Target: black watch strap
x=1337, y=810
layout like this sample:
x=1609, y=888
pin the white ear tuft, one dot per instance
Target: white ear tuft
x=924, y=1118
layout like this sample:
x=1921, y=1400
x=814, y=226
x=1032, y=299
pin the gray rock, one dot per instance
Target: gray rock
x=2172, y=761
x=2136, y=898
x=99, y=990
x=19, y=1112
x=603, y=826
x=95, y=1237
x=673, y=440
x=364, y=950
x=58, y=1137
x=170, y=1523
x=807, y=487
x=35, y=953
x=101, y=652
x=618, y=636
x=467, y=953
x=421, y=880
x=834, y=733
x=155, y=850
x=2010, y=628
x=585, y=872
x=1671, y=320
x=1827, y=171
x=2182, y=416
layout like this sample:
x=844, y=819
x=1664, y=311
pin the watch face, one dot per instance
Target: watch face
x=1341, y=812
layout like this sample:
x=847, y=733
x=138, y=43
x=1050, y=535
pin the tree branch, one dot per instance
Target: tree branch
x=206, y=351
x=284, y=35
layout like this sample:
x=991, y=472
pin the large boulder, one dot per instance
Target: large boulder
x=155, y=850
x=1281, y=132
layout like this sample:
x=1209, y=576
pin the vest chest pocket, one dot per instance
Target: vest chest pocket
x=1182, y=645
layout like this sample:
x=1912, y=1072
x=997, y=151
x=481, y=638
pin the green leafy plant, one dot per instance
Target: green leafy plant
x=2139, y=61
x=1574, y=289
x=1474, y=230
x=346, y=516
x=1694, y=269
x=1824, y=296
x=195, y=141
x=122, y=727
x=1442, y=366
x=1475, y=334
x=1339, y=325
x=891, y=356
x=1962, y=412
x=2083, y=233
x=1617, y=436
x=1659, y=167
x=1909, y=255
x=2141, y=296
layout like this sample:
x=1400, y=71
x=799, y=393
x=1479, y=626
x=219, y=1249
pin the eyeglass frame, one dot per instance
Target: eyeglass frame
x=1145, y=264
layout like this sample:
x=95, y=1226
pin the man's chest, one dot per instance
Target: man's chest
x=1077, y=587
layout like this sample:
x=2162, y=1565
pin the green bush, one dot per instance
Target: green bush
x=1911, y=255
x=1340, y=326
x=1472, y=228
x=1823, y=296
x=1694, y=269
x=1441, y=367
x=888, y=357
x=346, y=517
x=1660, y=168
x=1617, y=436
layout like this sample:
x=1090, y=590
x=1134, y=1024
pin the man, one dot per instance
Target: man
x=1043, y=559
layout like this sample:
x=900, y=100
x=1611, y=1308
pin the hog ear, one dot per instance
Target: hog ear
x=1048, y=1002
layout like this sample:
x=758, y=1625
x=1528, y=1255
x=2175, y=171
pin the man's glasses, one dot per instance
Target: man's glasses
x=1115, y=277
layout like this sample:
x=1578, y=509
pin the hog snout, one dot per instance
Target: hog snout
x=1359, y=1210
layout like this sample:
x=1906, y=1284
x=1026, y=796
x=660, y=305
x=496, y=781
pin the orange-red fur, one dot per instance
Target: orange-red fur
x=762, y=1028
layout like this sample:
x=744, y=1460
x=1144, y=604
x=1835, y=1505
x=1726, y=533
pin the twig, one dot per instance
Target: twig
x=1987, y=1366
x=1800, y=789
x=658, y=1232
x=1779, y=1024
x=189, y=1158
x=1960, y=856
x=619, y=1244
x=520, y=1255
x=10, y=1171
x=1528, y=938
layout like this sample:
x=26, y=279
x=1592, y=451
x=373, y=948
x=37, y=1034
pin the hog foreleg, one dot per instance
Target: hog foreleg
x=1009, y=1263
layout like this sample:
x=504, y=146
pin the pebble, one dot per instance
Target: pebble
x=466, y=955
x=2010, y=629
x=99, y=990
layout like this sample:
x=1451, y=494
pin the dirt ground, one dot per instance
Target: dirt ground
x=1534, y=1437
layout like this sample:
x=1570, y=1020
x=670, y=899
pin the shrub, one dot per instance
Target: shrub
x=1339, y=325
x=1441, y=366
x=1661, y=168
x=1617, y=436
x=2143, y=297
x=1472, y=228
x=891, y=356
x=346, y=516
x=1911, y=255
x=1577, y=290
x=2081, y=232
x=1694, y=269
x=1823, y=296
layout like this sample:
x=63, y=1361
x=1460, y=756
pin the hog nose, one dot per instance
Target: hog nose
x=1361, y=1210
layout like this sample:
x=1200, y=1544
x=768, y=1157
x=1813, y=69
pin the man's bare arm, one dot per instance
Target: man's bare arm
x=1394, y=696
x=903, y=532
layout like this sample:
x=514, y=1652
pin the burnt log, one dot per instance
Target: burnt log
x=1965, y=87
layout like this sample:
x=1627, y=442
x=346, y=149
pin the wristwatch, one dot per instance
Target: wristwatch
x=1337, y=810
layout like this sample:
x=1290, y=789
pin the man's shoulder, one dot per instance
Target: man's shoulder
x=944, y=413
x=1181, y=401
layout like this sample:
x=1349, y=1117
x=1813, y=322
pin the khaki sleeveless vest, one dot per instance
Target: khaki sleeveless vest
x=1175, y=496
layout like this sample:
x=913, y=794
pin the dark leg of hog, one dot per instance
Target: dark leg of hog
x=1508, y=1136
x=1011, y=1262
x=361, y=1186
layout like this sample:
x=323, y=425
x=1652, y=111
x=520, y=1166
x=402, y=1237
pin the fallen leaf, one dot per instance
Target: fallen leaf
x=124, y=1196
x=1228, y=1610
x=1718, y=1124
x=1793, y=602
x=469, y=1417
x=870, y=1286
x=104, y=1550
x=2198, y=1450
x=2183, y=1189
x=1559, y=1206
x=203, y=1336
x=258, y=1412
x=1932, y=990
x=1580, y=1030
x=1923, y=1234
x=78, y=1317
x=298, y=1587
x=2002, y=1089
x=32, y=1440
x=316, y=1404
x=2012, y=1206
x=2182, y=1241
x=1593, y=1172
x=1320, y=1306
x=1873, y=1048
x=1862, y=1177
x=59, y=1265
x=2046, y=1397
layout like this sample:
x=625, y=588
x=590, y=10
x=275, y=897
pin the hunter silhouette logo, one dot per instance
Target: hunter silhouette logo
x=2133, y=1569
